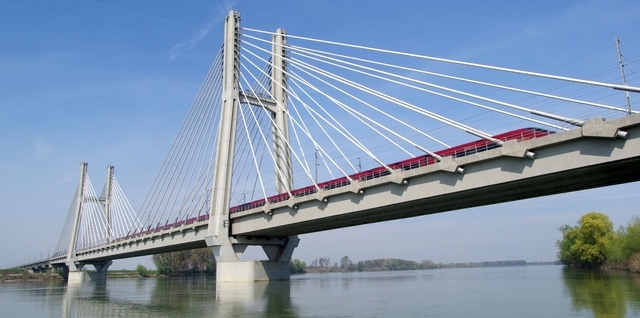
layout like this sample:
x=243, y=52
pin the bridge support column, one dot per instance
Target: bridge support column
x=78, y=276
x=251, y=271
x=229, y=267
x=281, y=252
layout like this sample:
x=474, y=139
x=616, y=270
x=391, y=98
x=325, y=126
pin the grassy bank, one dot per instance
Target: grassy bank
x=18, y=275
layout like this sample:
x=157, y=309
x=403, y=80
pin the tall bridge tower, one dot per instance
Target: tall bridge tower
x=227, y=249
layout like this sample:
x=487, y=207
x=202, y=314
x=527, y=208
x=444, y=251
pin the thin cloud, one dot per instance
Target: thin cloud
x=202, y=32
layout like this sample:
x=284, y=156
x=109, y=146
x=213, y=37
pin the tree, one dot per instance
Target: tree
x=324, y=262
x=625, y=242
x=428, y=264
x=142, y=270
x=184, y=262
x=297, y=267
x=586, y=244
x=321, y=262
x=347, y=265
x=163, y=263
x=631, y=242
x=345, y=262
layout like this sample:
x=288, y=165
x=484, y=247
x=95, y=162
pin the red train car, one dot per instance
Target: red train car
x=408, y=164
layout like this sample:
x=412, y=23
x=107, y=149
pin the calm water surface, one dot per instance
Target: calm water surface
x=528, y=291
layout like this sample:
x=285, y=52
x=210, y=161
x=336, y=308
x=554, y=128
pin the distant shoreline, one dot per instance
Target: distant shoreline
x=15, y=275
x=391, y=264
x=27, y=276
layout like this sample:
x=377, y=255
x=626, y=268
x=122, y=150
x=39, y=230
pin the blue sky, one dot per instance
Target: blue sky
x=109, y=82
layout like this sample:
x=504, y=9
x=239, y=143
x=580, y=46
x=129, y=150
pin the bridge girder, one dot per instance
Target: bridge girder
x=579, y=159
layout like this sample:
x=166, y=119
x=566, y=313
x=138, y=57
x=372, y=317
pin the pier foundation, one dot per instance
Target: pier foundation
x=252, y=271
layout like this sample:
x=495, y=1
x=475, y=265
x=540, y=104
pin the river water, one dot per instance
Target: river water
x=524, y=291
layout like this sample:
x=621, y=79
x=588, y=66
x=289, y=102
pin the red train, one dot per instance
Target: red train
x=412, y=163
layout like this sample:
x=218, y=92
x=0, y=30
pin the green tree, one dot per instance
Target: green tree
x=631, y=238
x=586, y=244
x=142, y=270
x=185, y=262
x=163, y=263
x=297, y=267
x=625, y=242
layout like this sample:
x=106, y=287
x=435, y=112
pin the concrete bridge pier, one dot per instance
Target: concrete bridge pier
x=229, y=267
x=252, y=271
x=76, y=275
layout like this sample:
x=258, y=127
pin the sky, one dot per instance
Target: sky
x=109, y=82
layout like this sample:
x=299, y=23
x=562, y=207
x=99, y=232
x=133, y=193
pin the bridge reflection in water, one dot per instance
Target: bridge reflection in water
x=177, y=297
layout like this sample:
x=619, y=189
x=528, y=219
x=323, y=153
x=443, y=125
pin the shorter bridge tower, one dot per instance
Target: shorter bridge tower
x=73, y=269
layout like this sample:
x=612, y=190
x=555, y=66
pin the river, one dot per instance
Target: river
x=523, y=291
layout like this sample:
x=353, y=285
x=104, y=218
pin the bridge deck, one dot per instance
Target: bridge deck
x=569, y=161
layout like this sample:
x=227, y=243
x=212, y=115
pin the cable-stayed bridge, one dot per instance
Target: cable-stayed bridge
x=291, y=135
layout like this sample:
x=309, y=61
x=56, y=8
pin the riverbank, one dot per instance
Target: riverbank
x=392, y=264
x=25, y=275
x=631, y=265
x=22, y=275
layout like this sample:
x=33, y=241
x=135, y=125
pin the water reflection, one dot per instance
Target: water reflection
x=177, y=297
x=268, y=299
x=483, y=292
x=605, y=293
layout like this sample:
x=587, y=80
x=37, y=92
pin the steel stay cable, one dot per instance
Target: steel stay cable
x=124, y=223
x=288, y=145
x=375, y=159
x=186, y=160
x=86, y=217
x=326, y=134
x=345, y=133
x=393, y=117
x=532, y=111
x=160, y=181
x=251, y=148
x=65, y=234
x=278, y=130
x=243, y=170
x=185, y=164
x=297, y=136
x=509, y=88
x=270, y=151
x=302, y=161
x=350, y=110
x=251, y=133
x=90, y=216
x=201, y=153
x=301, y=123
x=426, y=57
x=132, y=220
x=430, y=114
